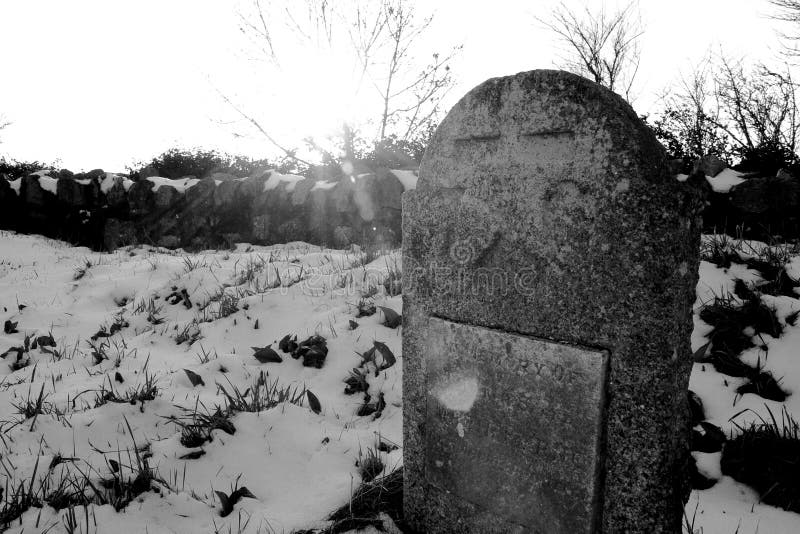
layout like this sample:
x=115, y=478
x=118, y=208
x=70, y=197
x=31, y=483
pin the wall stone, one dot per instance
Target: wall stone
x=105, y=211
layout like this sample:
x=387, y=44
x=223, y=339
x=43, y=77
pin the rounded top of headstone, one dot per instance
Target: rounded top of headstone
x=538, y=187
x=541, y=116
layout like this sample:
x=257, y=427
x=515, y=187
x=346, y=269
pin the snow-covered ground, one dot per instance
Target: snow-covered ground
x=117, y=319
x=299, y=465
x=729, y=506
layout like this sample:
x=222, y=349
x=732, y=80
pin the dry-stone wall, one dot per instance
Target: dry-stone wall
x=104, y=210
x=753, y=205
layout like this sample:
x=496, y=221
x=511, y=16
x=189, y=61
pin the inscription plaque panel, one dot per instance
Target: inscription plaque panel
x=514, y=424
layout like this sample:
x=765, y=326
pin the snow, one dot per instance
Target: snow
x=275, y=178
x=15, y=185
x=407, y=178
x=48, y=184
x=180, y=185
x=323, y=185
x=725, y=180
x=300, y=465
x=730, y=505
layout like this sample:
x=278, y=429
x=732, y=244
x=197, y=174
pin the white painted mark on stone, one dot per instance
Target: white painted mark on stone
x=458, y=395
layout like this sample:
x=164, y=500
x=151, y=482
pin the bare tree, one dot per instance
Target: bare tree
x=410, y=96
x=757, y=108
x=689, y=121
x=788, y=11
x=731, y=110
x=600, y=45
x=387, y=69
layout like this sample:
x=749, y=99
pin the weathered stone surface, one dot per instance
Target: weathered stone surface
x=31, y=191
x=226, y=193
x=74, y=194
x=117, y=233
x=200, y=197
x=779, y=195
x=5, y=188
x=486, y=390
x=166, y=196
x=710, y=165
x=216, y=206
x=169, y=241
x=545, y=208
x=301, y=191
x=116, y=195
x=66, y=173
x=343, y=237
x=8, y=204
x=141, y=198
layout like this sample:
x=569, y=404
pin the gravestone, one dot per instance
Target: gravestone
x=549, y=270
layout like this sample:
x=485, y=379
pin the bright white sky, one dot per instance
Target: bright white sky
x=99, y=83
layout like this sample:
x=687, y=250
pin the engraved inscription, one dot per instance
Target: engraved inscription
x=492, y=136
x=550, y=133
x=514, y=424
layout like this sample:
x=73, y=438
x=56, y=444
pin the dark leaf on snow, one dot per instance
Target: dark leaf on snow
x=9, y=327
x=701, y=353
x=315, y=357
x=356, y=382
x=392, y=319
x=186, y=302
x=118, y=377
x=14, y=351
x=227, y=506
x=288, y=343
x=367, y=355
x=241, y=493
x=313, y=350
x=46, y=341
x=372, y=408
x=709, y=438
x=227, y=501
x=388, y=357
x=313, y=402
x=194, y=378
x=266, y=355
x=99, y=334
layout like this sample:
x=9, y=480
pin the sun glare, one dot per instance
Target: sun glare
x=320, y=94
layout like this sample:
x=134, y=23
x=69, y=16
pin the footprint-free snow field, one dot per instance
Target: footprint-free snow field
x=254, y=390
x=141, y=391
